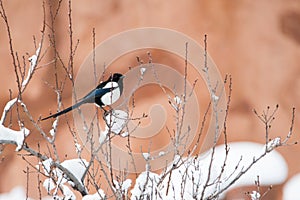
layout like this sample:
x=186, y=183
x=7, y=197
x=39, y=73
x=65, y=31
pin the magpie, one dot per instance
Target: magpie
x=106, y=93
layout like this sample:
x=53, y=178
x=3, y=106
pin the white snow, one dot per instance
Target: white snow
x=33, y=64
x=268, y=174
x=214, y=97
x=100, y=195
x=76, y=166
x=292, y=188
x=125, y=134
x=273, y=143
x=146, y=156
x=146, y=187
x=46, y=164
x=54, y=127
x=68, y=194
x=52, y=132
x=8, y=135
x=143, y=70
x=187, y=180
x=7, y=108
x=117, y=120
x=49, y=185
x=126, y=185
x=78, y=147
x=247, y=151
x=16, y=193
x=177, y=100
x=103, y=136
x=255, y=195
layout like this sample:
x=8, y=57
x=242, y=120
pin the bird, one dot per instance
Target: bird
x=105, y=94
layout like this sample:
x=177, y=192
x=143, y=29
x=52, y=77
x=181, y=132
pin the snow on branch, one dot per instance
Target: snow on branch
x=146, y=186
x=7, y=108
x=9, y=136
x=99, y=195
x=70, y=171
x=33, y=63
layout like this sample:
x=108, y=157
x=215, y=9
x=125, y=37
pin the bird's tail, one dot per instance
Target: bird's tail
x=65, y=110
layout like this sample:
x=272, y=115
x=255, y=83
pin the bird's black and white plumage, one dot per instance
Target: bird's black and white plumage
x=106, y=93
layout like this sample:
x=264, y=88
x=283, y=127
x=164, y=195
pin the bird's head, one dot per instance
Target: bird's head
x=116, y=77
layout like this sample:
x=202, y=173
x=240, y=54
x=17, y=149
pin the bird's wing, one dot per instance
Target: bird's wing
x=89, y=98
x=96, y=93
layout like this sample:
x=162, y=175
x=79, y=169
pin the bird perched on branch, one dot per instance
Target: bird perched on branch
x=106, y=93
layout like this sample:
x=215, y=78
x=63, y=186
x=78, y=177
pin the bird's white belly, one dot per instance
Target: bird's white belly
x=111, y=97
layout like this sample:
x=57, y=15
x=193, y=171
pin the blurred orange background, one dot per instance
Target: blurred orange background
x=257, y=42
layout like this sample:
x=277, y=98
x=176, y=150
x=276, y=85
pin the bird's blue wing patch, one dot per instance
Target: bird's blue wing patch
x=96, y=93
